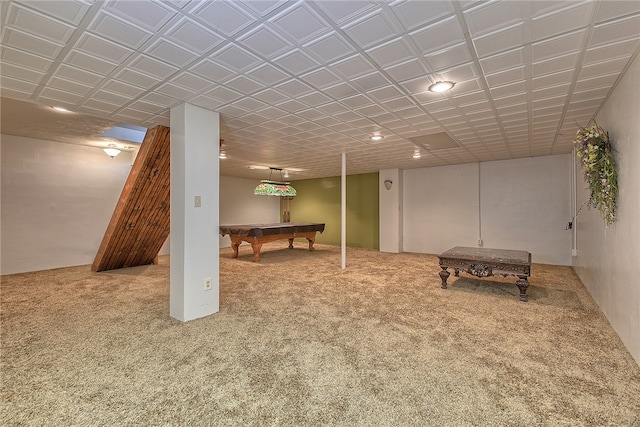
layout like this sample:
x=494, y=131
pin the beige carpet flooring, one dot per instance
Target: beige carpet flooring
x=300, y=342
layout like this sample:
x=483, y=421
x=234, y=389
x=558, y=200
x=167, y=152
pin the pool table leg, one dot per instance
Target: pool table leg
x=523, y=284
x=444, y=275
x=311, y=242
x=234, y=246
x=256, y=251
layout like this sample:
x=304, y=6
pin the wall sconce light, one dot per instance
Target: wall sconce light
x=111, y=150
x=387, y=184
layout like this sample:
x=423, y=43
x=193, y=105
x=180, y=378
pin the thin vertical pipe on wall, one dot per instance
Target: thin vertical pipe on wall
x=479, y=208
x=574, y=203
x=343, y=222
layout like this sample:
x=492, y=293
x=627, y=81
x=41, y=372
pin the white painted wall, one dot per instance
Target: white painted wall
x=608, y=258
x=440, y=208
x=57, y=200
x=513, y=204
x=390, y=201
x=526, y=205
x=238, y=204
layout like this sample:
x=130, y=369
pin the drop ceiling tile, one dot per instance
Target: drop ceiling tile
x=243, y=85
x=270, y=96
x=465, y=87
x=595, y=82
x=329, y=48
x=25, y=60
x=321, y=78
x=616, y=31
x=293, y=88
x=352, y=67
x=296, y=62
x=136, y=78
x=438, y=36
x=193, y=36
x=292, y=106
x=417, y=13
x=170, y=53
x=370, y=82
x=61, y=95
x=148, y=14
x=449, y=57
x=191, y=82
x=562, y=45
x=314, y=99
x=152, y=67
x=610, y=51
x=102, y=48
x=506, y=77
x=223, y=17
x=503, y=61
x=407, y=71
x=397, y=104
x=209, y=70
x=300, y=23
x=71, y=12
x=506, y=91
x=577, y=15
x=223, y=94
x=89, y=63
x=265, y=43
x=147, y=107
x=69, y=86
x=599, y=93
x=616, y=9
x=12, y=86
x=128, y=113
x=76, y=74
x=20, y=73
x=174, y=91
x=504, y=39
x=550, y=92
x=235, y=58
x=267, y=74
x=603, y=68
x=461, y=73
x=391, y=53
x=115, y=29
x=342, y=11
x=494, y=17
x=27, y=42
x=555, y=64
x=38, y=24
x=551, y=80
x=370, y=29
x=100, y=106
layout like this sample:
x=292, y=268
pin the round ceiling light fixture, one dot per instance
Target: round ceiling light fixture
x=376, y=137
x=441, y=86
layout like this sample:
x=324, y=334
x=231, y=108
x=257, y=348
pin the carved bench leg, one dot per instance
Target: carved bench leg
x=291, y=243
x=444, y=275
x=523, y=284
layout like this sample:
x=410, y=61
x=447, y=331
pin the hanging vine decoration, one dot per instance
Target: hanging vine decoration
x=595, y=153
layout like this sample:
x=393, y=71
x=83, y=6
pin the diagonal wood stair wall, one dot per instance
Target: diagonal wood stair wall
x=140, y=223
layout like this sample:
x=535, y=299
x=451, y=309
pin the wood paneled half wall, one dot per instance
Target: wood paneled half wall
x=140, y=223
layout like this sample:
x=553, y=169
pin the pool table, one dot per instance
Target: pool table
x=485, y=262
x=258, y=234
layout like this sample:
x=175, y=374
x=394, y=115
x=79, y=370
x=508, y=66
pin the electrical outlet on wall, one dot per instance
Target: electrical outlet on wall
x=207, y=283
x=479, y=242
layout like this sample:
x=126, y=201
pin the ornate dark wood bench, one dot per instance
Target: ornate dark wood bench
x=485, y=262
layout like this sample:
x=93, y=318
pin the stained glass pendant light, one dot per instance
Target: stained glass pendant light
x=268, y=187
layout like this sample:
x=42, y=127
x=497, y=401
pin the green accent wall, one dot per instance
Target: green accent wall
x=318, y=200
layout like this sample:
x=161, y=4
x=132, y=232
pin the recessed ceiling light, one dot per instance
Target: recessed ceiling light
x=61, y=110
x=441, y=86
x=416, y=154
x=376, y=137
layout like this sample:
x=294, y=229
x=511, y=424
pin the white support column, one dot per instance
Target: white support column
x=343, y=222
x=390, y=210
x=195, y=178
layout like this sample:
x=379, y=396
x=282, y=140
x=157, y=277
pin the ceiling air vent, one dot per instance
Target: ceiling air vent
x=435, y=141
